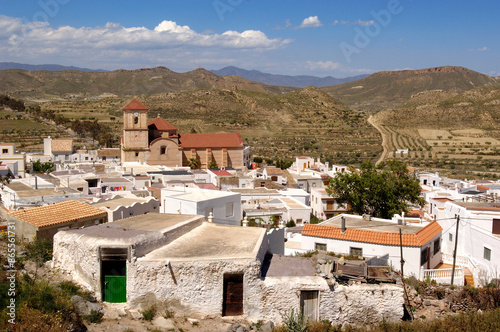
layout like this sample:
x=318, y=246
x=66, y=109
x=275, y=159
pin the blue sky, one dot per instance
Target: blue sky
x=295, y=37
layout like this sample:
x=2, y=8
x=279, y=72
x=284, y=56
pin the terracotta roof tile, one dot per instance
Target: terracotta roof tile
x=58, y=213
x=218, y=140
x=274, y=171
x=221, y=173
x=417, y=239
x=61, y=145
x=482, y=188
x=161, y=124
x=135, y=105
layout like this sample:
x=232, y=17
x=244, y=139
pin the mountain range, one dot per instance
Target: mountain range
x=15, y=65
x=300, y=81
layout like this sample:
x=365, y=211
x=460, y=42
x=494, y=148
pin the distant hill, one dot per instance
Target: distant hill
x=284, y=80
x=15, y=65
x=389, y=89
x=64, y=83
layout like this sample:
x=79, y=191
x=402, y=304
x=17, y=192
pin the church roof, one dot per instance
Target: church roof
x=161, y=124
x=136, y=106
x=218, y=140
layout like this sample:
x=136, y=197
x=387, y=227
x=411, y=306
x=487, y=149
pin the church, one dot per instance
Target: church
x=157, y=143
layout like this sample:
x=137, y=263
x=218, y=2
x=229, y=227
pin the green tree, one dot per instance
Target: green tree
x=193, y=163
x=39, y=167
x=380, y=191
x=212, y=165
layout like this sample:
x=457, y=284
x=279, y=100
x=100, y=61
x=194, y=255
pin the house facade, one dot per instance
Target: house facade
x=377, y=237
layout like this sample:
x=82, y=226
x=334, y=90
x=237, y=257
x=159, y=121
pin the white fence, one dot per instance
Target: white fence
x=443, y=276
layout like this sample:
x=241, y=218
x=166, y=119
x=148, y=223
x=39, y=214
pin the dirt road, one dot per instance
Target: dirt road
x=385, y=139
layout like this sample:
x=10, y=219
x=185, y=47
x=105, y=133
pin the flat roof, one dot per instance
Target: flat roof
x=117, y=202
x=134, y=226
x=212, y=242
x=197, y=195
x=112, y=180
x=288, y=266
x=292, y=203
x=254, y=191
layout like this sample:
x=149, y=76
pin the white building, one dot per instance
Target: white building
x=15, y=161
x=478, y=247
x=325, y=206
x=372, y=237
x=224, y=206
x=124, y=207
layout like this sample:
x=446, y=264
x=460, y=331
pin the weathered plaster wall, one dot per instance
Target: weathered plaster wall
x=195, y=284
x=362, y=304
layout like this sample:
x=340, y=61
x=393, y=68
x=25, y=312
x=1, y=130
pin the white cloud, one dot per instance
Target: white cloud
x=356, y=22
x=324, y=65
x=482, y=49
x=311, y=22
x=27, y=40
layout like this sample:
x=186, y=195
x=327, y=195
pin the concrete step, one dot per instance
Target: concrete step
x=469, y=280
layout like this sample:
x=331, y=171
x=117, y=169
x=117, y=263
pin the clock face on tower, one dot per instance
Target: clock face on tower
x=136, y=114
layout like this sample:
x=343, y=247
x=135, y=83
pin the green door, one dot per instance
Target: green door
x=115, y=289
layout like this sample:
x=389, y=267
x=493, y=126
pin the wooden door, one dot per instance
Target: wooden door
x=309, y=304
x=233, y=295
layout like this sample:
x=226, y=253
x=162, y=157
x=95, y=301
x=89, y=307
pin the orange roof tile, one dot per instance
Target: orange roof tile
x=58, y=213
x=136, y=106
x=61, y=145
x=218, y=140
x=417, y=239
x=221, y=173
x=161, y=124
x=274, y=171
x=482, y=188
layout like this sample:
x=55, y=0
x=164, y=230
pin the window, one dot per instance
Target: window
x=496, y=226
x=103, y=158
x=4, y=151
x=136, y=119
x=137, y=154
x=437, y=246
x=356, y=251
x=320, y=246
x=163, y=150
x=86, y=158
x=229, y=210
x=487, y=254
x=423, y=256
x=314, y=184
x=450, y=237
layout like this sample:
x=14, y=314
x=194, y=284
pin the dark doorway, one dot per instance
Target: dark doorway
x=232, y=304
x=114, y=274
x=309, y=304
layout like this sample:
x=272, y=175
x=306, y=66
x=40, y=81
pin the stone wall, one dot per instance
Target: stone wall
x=362, y=304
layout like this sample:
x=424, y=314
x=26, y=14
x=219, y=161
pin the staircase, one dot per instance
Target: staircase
x=469, y=279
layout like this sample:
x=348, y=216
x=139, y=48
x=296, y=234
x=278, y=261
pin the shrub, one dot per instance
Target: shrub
x=94, y=317
x=149, y=314
x=294, y=321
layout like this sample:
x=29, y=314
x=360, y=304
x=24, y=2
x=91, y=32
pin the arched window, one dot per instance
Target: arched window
x=163, y=150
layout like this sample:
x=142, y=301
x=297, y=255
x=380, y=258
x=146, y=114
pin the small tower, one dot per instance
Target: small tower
x=135, y=132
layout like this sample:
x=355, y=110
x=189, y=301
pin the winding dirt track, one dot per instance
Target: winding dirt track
x=385, y=139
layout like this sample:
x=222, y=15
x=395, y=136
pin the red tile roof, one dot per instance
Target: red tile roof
x=209, y=186
x=482, y=188
x=417, y=239
x=222, y=173
x=218, y=140
x=162, y=124
x=58, y=213
x=135, y=105
x=274, y=171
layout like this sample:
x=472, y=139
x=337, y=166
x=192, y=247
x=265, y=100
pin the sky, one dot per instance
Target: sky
x=337, y=38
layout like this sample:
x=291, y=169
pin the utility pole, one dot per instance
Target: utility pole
x=455, y=252
x=407, y=301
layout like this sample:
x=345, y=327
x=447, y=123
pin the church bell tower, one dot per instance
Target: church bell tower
x=135, y=145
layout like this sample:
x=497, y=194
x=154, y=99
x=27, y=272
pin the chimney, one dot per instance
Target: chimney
x=343, y=224
x=403, y=215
